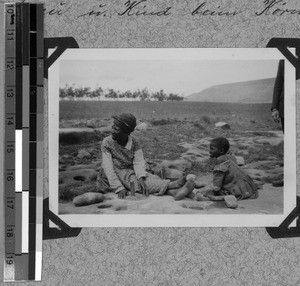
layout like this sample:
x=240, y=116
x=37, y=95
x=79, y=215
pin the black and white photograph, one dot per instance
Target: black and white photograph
x=172, y=137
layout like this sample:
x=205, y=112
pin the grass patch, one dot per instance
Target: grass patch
x=264, y=152
x=72, y=138
x=146, y=110
x=199, y=125
x=159, y=122
x=272, y=179
x=206, y=119
x=262, y=133
x=68, y=153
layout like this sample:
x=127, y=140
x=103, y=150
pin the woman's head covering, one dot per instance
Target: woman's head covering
x=125, y=121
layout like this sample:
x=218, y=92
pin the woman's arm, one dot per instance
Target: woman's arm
x=139, y=164
x=108, y=167
x=139, y=167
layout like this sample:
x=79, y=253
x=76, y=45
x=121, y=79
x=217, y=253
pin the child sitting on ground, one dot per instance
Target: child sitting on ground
x=230, y=182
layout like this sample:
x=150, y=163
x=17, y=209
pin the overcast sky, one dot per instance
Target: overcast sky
x=183, y=77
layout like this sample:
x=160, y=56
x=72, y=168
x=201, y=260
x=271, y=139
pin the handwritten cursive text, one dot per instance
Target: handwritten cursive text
x=142, y=8
x=96, y=13
x=57, y=11
x=271, y=8
x=139, y=8
x=213, y=12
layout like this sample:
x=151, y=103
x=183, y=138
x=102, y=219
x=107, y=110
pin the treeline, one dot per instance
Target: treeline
x=71, y=92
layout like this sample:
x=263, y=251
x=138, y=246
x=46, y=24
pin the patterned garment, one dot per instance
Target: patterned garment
x=124, y=164
x=232, y=180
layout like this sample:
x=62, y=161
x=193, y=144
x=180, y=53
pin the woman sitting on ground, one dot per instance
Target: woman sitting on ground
x=123, y=165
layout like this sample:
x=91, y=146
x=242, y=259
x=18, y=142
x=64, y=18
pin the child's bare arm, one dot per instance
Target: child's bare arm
x=218, y=178
x=215, y=198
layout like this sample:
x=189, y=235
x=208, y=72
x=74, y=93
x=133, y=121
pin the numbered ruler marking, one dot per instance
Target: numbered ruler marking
x=9, y=141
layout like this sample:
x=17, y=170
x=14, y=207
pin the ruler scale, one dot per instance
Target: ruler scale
x=18, y=138
x=9, y=137
x=23, y=156
x=19, y=270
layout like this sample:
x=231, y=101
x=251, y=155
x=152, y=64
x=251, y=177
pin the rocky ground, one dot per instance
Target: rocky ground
x=259, y=153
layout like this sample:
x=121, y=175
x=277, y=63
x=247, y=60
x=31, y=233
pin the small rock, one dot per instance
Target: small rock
x=142, y=126
x=82, y=154
x=191, y=177
x=88, y=199
x=231, y=201
x=240, y=160
x=91, y=123
x=222, y=125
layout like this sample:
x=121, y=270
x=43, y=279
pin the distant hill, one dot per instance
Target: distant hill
x=255, y=91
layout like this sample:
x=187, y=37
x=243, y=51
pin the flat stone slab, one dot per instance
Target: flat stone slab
x=88, y=199
x=270, y=201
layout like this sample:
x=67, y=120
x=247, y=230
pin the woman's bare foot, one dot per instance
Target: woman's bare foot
x=191, y=195
x=171, y=192
x=184, y=191
x=178, y=183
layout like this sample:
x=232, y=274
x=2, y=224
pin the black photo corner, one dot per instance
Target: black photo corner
x=62, y=230
x=284, y=230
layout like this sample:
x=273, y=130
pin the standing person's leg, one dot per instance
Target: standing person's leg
x=282, y=123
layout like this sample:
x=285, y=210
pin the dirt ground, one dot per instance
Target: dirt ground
x=270, y=201
x=260, y=154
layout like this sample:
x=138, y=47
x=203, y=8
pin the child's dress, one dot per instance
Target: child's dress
x=232, y=179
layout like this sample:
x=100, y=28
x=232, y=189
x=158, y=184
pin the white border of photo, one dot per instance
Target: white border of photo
x=175, y=220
